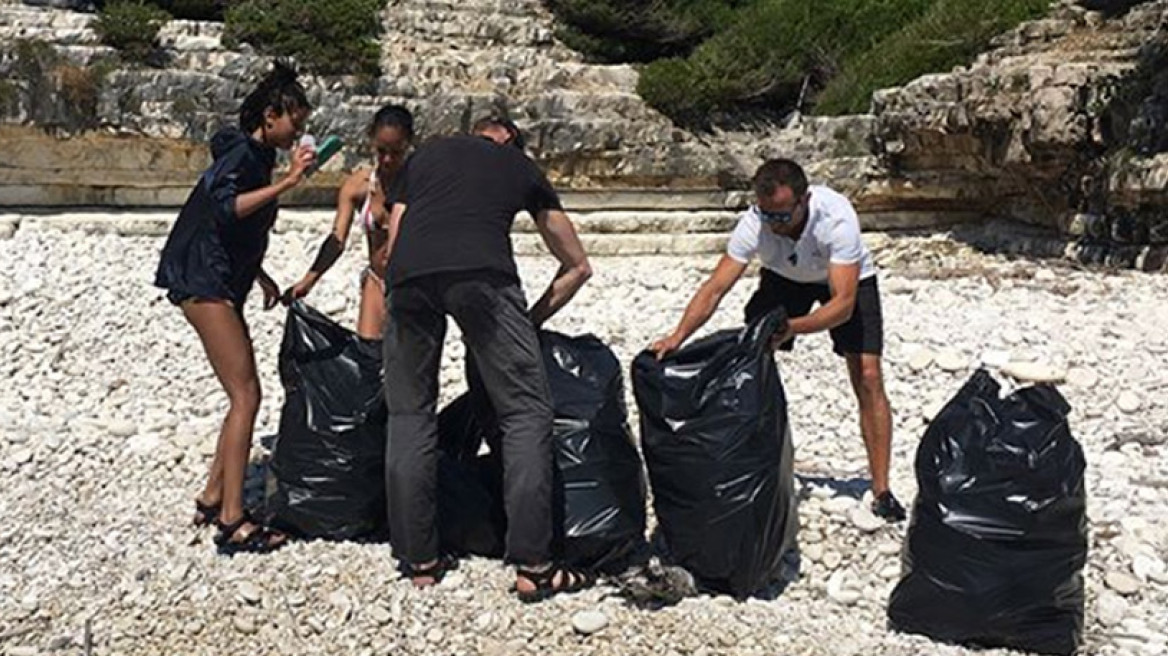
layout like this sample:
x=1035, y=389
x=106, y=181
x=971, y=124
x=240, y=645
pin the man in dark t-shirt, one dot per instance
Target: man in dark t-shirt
x=449, y=236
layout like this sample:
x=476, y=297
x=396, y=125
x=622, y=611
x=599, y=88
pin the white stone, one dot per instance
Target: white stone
x=244, y=625
x=143, y=444
x=20, y=456
x=920, y=360
x=22, y=650
x=1124, y=584
x=995, y=359
x=380, y=615
x=890, y=572
x=839, y=505
x=1129, y=402
x=122, y=428
x=1082, y=377
x=1110, y=608
x=838, y=590
x=1034, y=372
x=435, y=635
x=249, y=592
x=952, y=361
x=863, y=518
x=1148, y=568
x=832, y=559
x=587, y=622
x=813, y=552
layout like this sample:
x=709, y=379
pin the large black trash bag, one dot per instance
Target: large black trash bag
x=718, y=447
x=600, y=480
x=998, y=538
x=599, y=492
x=326, y=478
x=471, y=518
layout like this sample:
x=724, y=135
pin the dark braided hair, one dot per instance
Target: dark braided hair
x=279, y=91
x=393, y=116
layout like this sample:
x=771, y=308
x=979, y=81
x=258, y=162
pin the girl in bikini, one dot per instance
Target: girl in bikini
x=210, y=262
x=390, y=135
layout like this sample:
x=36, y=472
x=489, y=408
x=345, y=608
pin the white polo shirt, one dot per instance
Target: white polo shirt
x=832, y=236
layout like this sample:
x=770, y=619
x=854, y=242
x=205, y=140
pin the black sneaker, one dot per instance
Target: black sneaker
x=888, y=508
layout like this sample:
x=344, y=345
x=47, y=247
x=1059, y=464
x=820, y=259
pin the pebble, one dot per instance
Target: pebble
x=839, y=592
x=888, y=548
x=316, y=624
x=21, y=456
x=839, y=505
x=122, y=428
x=952, y=361
x=380, y=615
x=1110, y=608
x=813, y=552
x=1034, y=372
x=1082, y=378
x=832, y=559
x=23, y=650
x=863, y=519
x=244, y=625
x=587, y=622
x=249, y=592
x=920, y=360
x=890, y=572
x=435, y=635
x=995, y=359
x=1124, y=584
x=1129, y=402
x=1149, y=568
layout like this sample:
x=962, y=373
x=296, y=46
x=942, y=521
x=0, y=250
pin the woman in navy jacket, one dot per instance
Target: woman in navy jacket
x=211, y=260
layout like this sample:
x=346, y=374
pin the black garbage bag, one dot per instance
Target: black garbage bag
x=600, y=479
x=718, y=447
x=599, y=493
x=998, y=539
x=471, y=517
x=326, y=476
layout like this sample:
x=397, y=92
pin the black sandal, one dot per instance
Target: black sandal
x=571, y=580
x=441, y=567
x=205, y=513
x=258, y=541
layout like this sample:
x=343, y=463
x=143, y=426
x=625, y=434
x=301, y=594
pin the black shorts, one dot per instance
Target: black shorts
x=863, y=333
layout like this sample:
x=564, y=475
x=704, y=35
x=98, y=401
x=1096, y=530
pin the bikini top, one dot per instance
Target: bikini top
x=365, y=214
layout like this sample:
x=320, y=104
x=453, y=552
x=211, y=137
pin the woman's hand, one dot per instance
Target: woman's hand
x=302, y=159
x=299, y=290
x=271, y=292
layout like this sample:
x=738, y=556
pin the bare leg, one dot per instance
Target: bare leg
x=875, y=415
x=229, y=349
x=371, y=315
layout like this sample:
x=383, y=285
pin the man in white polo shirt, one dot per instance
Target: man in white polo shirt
x=808, y=242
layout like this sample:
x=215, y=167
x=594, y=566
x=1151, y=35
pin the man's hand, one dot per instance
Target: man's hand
x=782, y=336
x=666, y=345
x=271, y=292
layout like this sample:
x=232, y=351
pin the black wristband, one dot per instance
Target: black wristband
x=330, y=252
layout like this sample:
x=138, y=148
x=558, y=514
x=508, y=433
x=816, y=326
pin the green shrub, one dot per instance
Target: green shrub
x=131, y=26
x=769, y=52
x=951, y=33
x=326, y=37
x=639, y=30
x=207, y=10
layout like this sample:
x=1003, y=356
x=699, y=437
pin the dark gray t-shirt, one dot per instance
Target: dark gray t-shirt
x=461, y=195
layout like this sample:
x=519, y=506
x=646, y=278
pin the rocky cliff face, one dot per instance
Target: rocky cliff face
x=1066, y=117
x=1060, y=125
